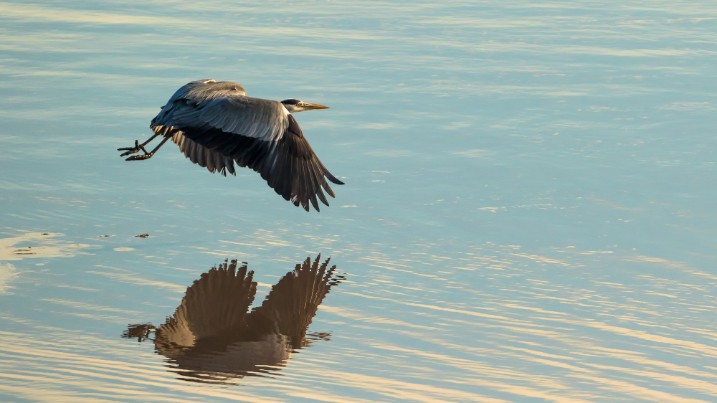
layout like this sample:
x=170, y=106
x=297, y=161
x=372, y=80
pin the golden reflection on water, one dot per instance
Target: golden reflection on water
x=38, y=245
x=537, y=339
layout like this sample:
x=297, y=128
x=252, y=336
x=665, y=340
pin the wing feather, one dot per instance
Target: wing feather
x=223, y=105
x=289, y=166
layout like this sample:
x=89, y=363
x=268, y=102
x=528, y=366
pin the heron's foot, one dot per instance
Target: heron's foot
x=139, y=157
x=140, y=147
x=132, y=150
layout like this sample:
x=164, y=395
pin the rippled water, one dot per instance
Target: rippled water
x=528, y=210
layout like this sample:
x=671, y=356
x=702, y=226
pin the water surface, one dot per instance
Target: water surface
x=528, y=209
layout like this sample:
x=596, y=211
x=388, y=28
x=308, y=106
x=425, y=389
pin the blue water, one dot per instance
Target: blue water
x=528, y=208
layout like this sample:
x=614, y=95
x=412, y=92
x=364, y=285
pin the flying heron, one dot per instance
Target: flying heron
x=216, y=125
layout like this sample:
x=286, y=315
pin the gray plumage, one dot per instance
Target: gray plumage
x=217, y=126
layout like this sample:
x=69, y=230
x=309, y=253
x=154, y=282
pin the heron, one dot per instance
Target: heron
x=217, y=126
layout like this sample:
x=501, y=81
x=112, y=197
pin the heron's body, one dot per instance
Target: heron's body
x=217, y=126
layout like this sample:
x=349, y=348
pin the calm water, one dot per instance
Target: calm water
x=528, y=211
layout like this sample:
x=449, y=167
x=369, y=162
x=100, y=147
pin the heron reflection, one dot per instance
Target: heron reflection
x=213, y=337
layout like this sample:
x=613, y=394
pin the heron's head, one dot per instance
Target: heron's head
x=296, y=105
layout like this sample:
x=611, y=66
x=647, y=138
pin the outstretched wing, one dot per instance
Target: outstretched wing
x=216, y=125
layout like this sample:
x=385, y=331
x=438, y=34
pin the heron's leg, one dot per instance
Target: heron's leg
x=146, y=154
x=137, y=147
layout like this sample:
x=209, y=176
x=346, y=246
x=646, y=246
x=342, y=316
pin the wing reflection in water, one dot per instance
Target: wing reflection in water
x=213, y=338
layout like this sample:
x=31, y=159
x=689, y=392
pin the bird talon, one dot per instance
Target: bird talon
x=131, y=150
x=138, y=157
